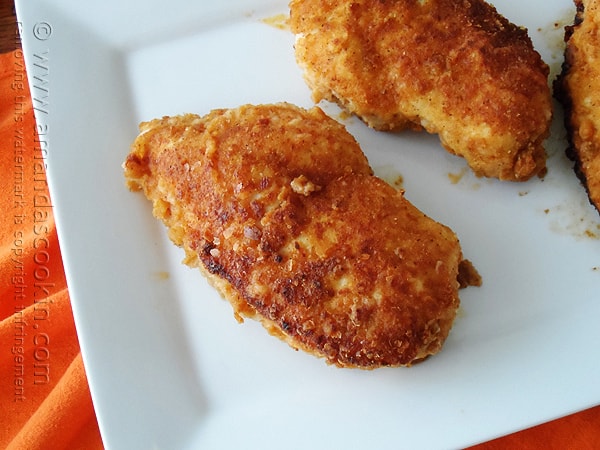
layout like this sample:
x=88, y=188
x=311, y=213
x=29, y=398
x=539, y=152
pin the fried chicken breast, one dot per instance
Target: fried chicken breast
x=455, y=68
x=278, y=208
x=578, y=89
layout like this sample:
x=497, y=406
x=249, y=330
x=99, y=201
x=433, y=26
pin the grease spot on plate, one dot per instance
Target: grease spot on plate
x=391, y=176
x=466, y=179
x=577, y=219
x=554, y=36
x=161, y=275
x=456, y=178
x=279, y=21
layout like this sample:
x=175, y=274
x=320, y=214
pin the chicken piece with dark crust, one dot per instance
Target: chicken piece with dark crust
x=455, y=68
x=578, y=89
x=278, y=208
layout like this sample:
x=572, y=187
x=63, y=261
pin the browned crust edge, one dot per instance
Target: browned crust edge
x=561, y=93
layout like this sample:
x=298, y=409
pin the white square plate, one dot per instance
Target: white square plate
x=168, y=365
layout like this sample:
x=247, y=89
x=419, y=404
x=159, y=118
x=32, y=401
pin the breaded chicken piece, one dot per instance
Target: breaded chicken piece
x=455, y=68
x=578, y=89
x=279, y=209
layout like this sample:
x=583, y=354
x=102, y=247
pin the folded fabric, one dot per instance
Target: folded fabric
x=45, y=401
x=579, y=431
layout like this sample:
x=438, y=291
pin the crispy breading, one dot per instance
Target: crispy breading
x=455, y=68
x=278, y=208
x=578, y=89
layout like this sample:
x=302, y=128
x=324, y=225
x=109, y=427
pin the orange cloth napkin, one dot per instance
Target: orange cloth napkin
x=45, y=401
x=579, y=431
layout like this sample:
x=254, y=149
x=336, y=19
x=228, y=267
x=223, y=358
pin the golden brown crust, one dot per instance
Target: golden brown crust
x=278, y=207
x=458, y=69
x=578, y=89
x=468, y=275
